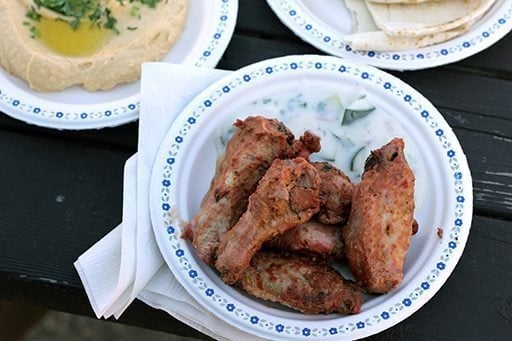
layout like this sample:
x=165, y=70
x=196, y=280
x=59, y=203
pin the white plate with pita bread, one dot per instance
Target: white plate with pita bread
x=398, y=34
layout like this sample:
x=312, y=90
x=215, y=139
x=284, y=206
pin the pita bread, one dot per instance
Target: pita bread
x=379, y=41
x=431, y=17
x=366, y=36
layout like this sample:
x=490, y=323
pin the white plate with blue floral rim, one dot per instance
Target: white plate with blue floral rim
x=207, y=33
x=185, y=165
x=323, y=24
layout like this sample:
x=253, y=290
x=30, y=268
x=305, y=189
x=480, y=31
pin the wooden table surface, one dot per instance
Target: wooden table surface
x=61, y=191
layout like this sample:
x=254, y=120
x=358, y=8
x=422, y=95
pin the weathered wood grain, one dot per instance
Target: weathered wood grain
x=124, y=137
x=458, y=90
x=56, y=200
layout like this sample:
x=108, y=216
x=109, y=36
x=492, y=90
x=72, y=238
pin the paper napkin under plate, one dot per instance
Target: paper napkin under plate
x=126, y=263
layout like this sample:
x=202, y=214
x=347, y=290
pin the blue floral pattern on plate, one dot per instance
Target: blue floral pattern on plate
x=217, y=299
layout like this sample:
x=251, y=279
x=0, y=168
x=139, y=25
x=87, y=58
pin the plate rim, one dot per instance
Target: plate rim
x=164, y=230
x=500, y=24
x=15, y=102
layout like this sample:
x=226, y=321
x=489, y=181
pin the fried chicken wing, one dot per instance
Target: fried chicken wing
x=378, y=233
x=311, y=238
x=286, y=196
x=335, y=194
x=306, y=144
x=257, y=141
x=300, y=283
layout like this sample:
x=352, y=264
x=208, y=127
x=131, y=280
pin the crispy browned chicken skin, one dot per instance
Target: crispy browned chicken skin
x=300, y=283
x=286, y=196
x=257, y=141
x=335, y=194
x=311, y=238
x=378, y=233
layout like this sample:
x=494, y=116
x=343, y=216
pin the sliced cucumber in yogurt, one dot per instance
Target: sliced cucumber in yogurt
x=357, y=161
x=356, y=110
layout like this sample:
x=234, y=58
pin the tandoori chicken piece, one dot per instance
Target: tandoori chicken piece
x=335, y=194
x=255, y=144
x=287, y=195
x=378, y=233
x=300, y=283
x=311, y=238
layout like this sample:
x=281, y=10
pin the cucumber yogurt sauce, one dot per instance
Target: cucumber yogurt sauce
x=348, y=124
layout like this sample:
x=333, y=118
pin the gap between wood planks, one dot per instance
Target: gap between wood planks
x=485, y=72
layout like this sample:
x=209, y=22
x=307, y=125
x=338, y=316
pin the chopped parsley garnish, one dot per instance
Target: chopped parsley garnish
x=111, y=21
x=150, y=3
x=93, y=10
x=71, y=8
x=95, y=16
x=32, y=14
x=34, y=32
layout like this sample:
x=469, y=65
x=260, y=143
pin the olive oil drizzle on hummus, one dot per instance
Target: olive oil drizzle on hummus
x=81, y=41
x=77, y=27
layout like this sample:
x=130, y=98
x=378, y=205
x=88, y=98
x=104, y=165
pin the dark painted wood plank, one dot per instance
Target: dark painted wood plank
x=57, y=199
x=124, y=136
x=490, y=163
x=487, y=142
x=257, y=18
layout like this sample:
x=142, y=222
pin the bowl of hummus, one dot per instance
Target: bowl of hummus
x=96, y=44
x=76, y=64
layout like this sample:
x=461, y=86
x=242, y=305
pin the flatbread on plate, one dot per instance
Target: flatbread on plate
x=380, y=41
x=431, y=17
x=366, y=36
